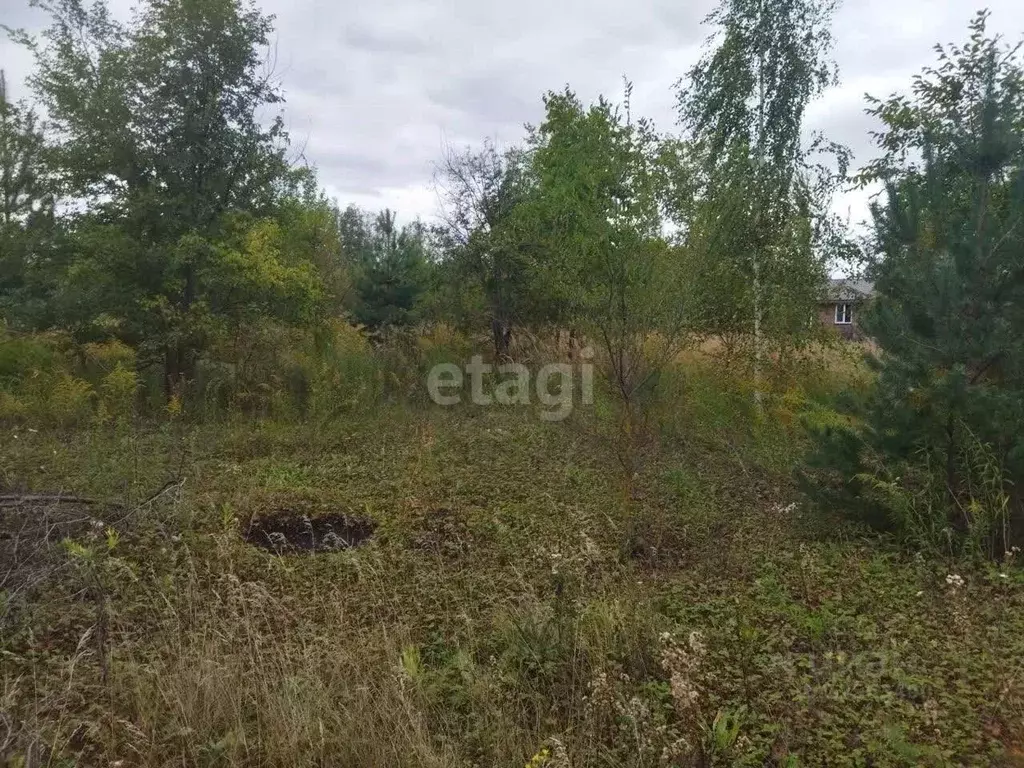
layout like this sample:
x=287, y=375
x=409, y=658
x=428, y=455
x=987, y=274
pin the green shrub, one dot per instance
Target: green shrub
x=11, y=408
x=67, y=400
x=22, y=355
x=38, y=380
x=102, y=358
x=339, y=371
x=118, y=393
x=915, y=496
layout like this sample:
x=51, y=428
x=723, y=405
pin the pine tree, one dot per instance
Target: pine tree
x=942, y=434
x=392, y=267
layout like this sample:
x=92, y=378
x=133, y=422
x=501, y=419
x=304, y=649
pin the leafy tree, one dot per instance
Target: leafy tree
x=355, y=230
x=761, y=229
x=158, y=126
x=941, y=441
x=23, y=186
x=598, y=209
x=481, y=192
x=312, y=229
x=26, y=211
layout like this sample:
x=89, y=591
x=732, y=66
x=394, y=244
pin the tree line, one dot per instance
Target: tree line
x=157, y=202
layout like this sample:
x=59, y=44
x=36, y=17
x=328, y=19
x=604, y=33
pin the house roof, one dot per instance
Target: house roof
x=849, y=289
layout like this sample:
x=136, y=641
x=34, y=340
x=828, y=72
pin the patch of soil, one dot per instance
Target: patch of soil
x=288, y=532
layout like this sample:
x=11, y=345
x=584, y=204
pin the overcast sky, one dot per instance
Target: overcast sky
x=376, y=89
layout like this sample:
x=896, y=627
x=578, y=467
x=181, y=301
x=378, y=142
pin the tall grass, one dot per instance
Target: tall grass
x=928, y=515
x=263, y=371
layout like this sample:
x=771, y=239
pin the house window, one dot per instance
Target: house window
x=844, y=314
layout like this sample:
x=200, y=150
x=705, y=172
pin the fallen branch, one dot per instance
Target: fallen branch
x=16, y=500
x=20, y=499
x=168, y=486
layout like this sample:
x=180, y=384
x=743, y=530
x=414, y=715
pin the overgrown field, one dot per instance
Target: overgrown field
x=517, y=603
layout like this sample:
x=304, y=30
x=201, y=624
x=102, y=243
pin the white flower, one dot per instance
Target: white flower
x=697, y=643
x=955, y=580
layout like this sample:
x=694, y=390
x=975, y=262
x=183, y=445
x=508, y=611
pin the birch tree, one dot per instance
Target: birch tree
x=744, y=106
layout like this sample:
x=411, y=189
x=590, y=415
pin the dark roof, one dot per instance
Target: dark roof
x=849, y=289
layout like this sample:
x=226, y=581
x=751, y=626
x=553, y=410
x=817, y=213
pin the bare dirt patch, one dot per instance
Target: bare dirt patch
x=289, y=532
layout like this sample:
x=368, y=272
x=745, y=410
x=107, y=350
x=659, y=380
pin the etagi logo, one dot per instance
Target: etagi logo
x=554, y=385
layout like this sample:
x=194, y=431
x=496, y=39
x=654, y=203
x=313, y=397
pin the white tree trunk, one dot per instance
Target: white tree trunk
x=758, y=304
x=758, y=337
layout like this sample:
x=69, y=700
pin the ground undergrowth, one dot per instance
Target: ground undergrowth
x=515, y=604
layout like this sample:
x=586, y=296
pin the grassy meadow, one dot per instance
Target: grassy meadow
x=518, y=603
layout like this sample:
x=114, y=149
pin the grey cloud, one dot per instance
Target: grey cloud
x=491, y=94
x=841, y=117
x=375, y=90
x=418, y=74
x=373, y=41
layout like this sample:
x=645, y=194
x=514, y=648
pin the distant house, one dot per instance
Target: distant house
x=844, y=299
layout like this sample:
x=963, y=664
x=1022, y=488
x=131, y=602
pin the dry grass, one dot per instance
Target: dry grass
x=503, y=608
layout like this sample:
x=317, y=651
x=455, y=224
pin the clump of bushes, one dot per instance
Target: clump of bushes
x=47, y=379
x=264, y=371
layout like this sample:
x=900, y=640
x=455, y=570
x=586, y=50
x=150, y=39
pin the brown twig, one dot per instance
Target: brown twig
x=17, y=499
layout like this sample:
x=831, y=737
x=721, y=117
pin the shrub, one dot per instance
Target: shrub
x=22, y=355
x=117, y=394
x=915, y=497
x=38, y=380
x=101, y=358
x=11, y=408
x=65, y=400
x=250, y=371
x=339, y=370
x=442, y=343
